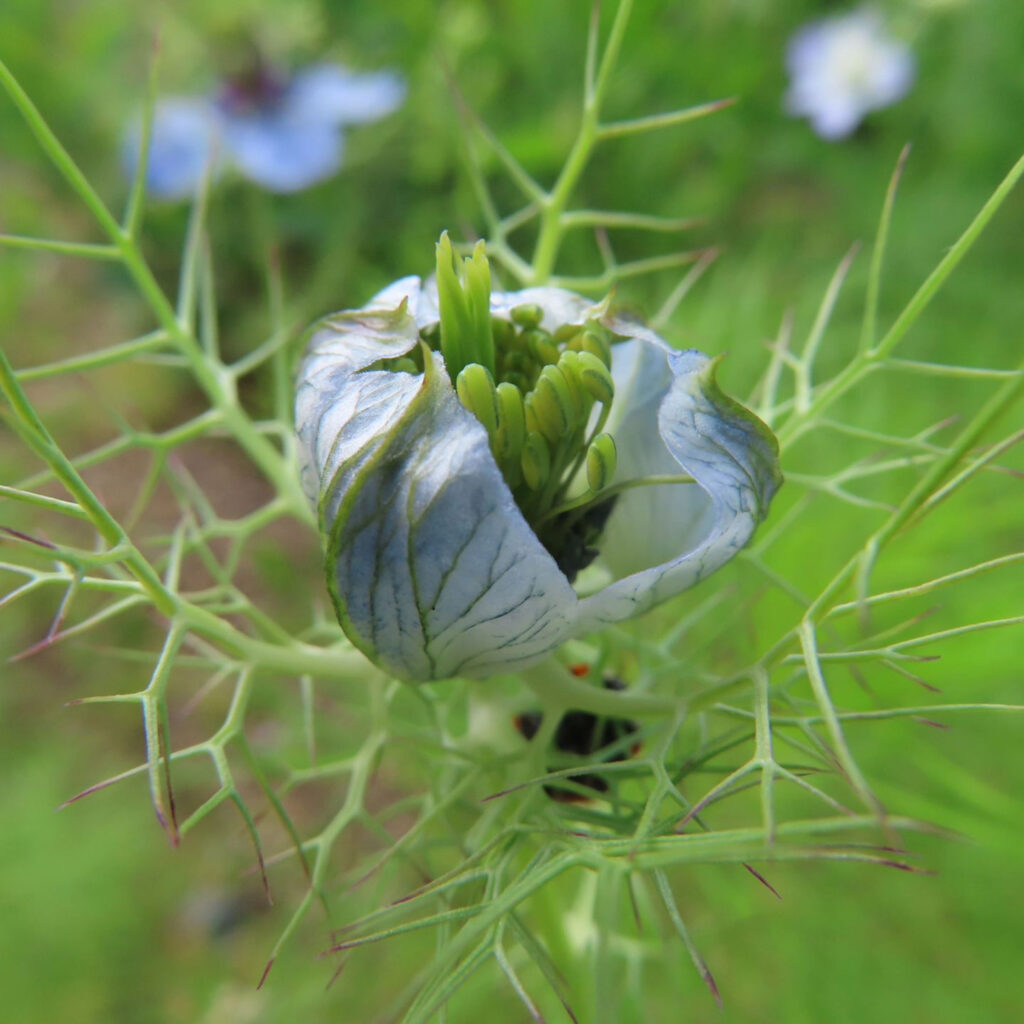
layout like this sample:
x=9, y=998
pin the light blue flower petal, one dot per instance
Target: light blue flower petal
x=431, y=566
x=836, y=119
x=675, y=420
x=281, y=153
x=183, y=144
x=843, y=67
x=648, y=525
x=330, y=94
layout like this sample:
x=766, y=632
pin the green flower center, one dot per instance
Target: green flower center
x=535, y=393
x=544, y=399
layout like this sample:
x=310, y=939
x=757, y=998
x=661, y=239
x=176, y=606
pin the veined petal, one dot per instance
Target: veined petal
x=650, y=524
x=677, y=420
x=431, y=566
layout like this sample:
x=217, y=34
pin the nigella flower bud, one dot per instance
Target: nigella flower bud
x=459, y=504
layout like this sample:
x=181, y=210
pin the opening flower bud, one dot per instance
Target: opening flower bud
x=451, y=553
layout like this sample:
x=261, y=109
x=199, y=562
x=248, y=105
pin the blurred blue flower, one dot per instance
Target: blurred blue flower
x=843, y=67
x=284, y=134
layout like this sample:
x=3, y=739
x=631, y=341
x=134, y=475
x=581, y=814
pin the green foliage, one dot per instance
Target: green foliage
x=177, y=556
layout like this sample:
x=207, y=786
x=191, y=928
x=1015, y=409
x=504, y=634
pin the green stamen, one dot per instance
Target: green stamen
x=535, y=391
x=601, y=461
x=475, y=388
x=464, y=297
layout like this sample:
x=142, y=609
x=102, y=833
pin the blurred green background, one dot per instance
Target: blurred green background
x=99, y=919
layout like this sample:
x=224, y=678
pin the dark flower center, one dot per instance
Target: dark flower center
x=257, y=89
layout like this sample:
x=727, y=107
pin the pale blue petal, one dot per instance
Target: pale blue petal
x=836, y=119
x=183, y=144
x=894, y=76
x=330, y=94
x=432, y=568
x=842, y=68
x=675, y=412
x=281, y=153
x=649, y=525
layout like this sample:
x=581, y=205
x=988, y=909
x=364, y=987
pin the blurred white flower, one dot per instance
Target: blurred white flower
x=284, y=134
x=843, y=67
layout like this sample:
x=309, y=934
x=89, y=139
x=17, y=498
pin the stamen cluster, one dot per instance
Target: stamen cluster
x=535, y=393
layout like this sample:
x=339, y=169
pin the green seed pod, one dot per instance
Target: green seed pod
x=536, y=461
x=475, y=388
x=511, y=421
x=601, y=461
x=595, y=377
x=597, y=343
x=553, y=404
x=528, y=315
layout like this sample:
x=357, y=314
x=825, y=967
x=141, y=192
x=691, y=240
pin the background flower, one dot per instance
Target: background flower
x=182, y=144
x=284, y=134
x=842, y=68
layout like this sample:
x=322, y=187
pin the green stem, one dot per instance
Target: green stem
x=554, y=203
x=290, y=658
x=589, y=497
x=559, y=691
x=215, y=380
x=870, y=359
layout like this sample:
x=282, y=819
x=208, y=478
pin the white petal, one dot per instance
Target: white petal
x=422, y=299
x=648, y=525
x=433, y=570
x=731, y=455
